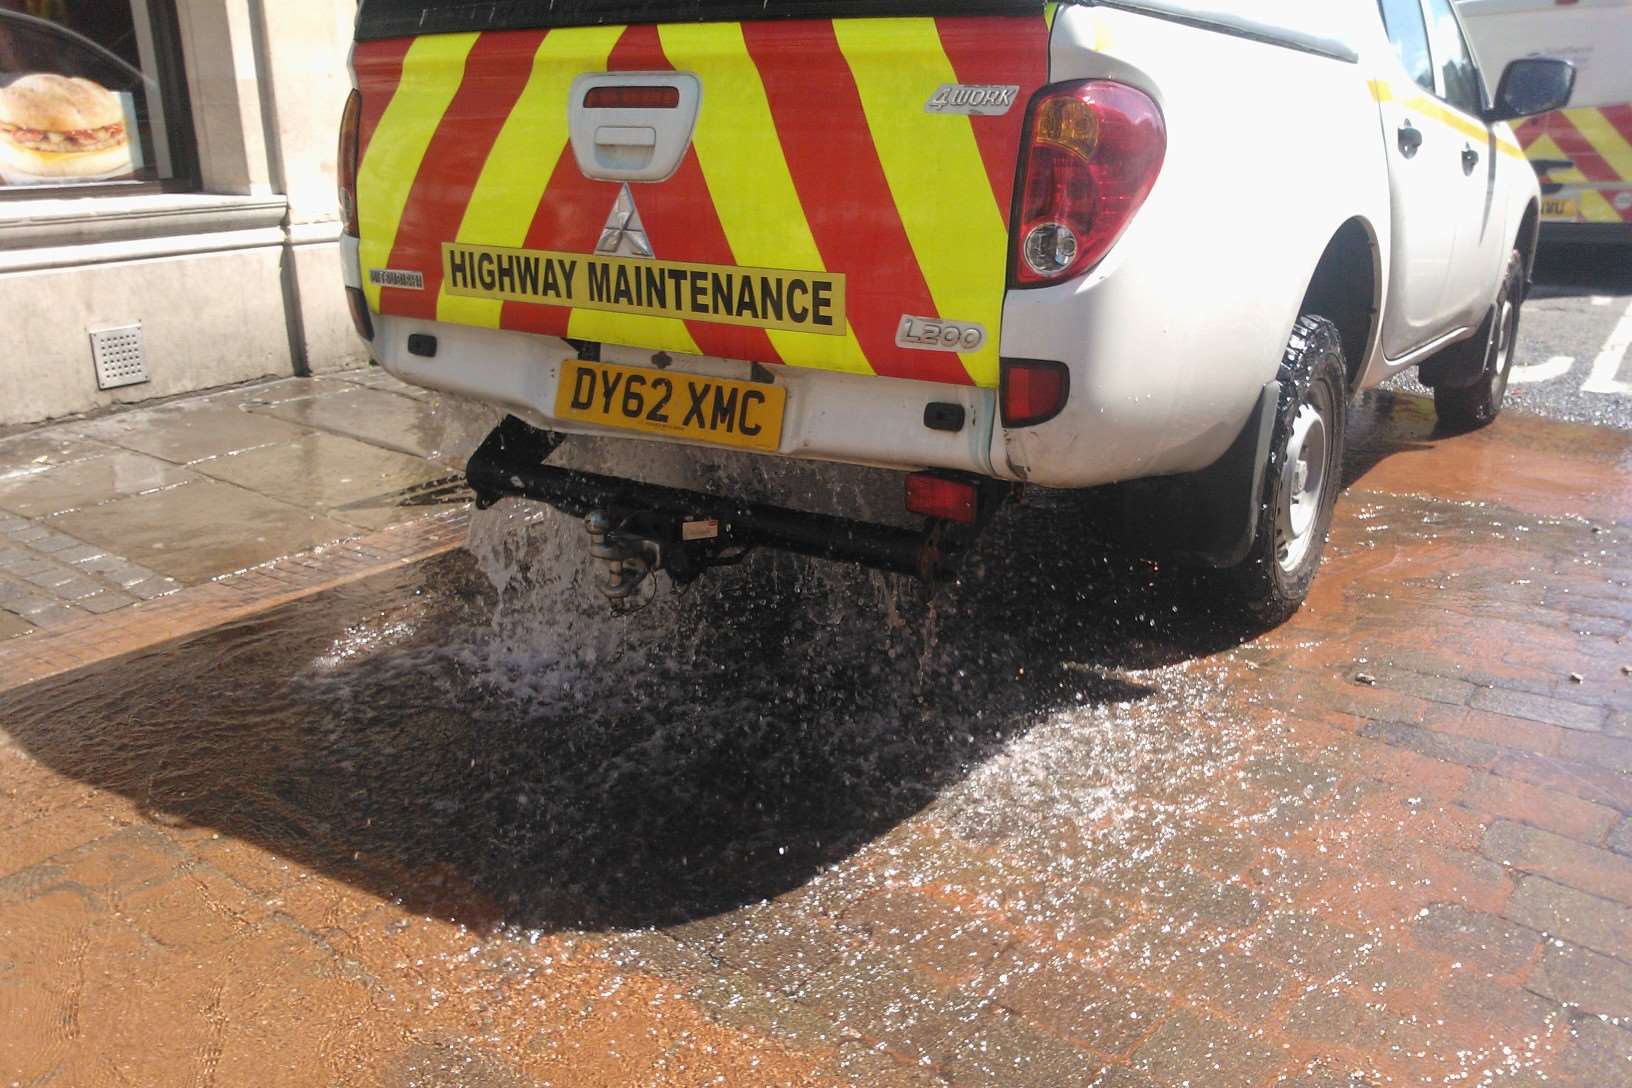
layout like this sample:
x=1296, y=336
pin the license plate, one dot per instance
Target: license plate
x=717, y=410
x=1559, y=208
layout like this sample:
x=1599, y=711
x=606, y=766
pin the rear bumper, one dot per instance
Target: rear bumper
x=853, y=419
x=1146, y=399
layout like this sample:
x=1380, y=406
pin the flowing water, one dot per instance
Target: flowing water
x=479, y=740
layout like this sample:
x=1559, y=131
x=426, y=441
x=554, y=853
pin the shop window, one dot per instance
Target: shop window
x=92, y=96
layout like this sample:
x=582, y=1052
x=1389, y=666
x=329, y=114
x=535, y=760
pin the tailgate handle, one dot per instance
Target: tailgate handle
x=632, y=126
x=625, y=136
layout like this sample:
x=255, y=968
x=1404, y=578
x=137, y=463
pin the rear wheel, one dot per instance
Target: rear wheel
x=1468, y=407
x=1302, y=478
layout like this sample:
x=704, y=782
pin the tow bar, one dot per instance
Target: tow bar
x=637, y=529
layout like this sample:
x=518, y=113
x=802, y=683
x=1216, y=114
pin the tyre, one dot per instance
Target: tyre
x=1302, y=478
x=1468, y=407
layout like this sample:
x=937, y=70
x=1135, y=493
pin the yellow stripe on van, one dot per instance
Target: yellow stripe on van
x=1473, y=129
x=1596, y=208
x=748, y=176
x=518, y=169
x=431, y=74
x=1605, y=139
x=935, y=173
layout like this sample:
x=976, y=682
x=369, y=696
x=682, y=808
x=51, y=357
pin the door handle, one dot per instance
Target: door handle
x=1470, y=159
x=1410, y=140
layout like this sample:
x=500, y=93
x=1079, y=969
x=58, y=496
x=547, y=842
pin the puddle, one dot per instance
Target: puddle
x=1065, y=756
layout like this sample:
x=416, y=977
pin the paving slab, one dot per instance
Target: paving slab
x=1597, y=1052
x=267, y=393
x=189, y=430
x=383, y=417
x=57, y=488
x=199, y=530
x=33, y=450
x=351, y=481
x=378, y=378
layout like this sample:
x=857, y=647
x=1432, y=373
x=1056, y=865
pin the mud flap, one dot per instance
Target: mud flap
x=1461, y=364
x=1209, y=518
x=1452, y=370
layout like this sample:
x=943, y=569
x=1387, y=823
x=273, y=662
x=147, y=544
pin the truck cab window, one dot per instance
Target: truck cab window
x=1409, y=35
x=1450, y=48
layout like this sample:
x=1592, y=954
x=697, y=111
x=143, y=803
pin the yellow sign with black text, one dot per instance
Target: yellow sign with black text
x=764, y=298
x=1553, y=207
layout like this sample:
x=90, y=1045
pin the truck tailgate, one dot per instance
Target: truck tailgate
x=831, y=180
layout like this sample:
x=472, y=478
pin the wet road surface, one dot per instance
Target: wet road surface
x=1574, y=356
x=1058, y=824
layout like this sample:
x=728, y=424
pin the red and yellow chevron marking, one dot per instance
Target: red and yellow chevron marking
x=813, y=151
x=1598, y=144
x=379, y=65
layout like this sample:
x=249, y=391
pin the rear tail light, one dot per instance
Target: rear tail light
x=1032, y=391
x=942, y=497
x=346, y=165
x=1093, y=152
x=346, y=174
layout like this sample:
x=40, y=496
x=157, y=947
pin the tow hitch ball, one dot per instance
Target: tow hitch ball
x=630, y=559
x=638, y=529
x=630, y=546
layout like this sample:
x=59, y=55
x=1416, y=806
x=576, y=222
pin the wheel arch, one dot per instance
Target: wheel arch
x=1346, y=289
x=1528, y=240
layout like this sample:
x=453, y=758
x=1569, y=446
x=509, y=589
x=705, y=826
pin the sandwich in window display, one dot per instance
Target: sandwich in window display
x=56, y=128
x=72, y=110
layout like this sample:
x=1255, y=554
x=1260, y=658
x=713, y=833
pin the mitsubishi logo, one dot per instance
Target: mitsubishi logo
x=624, y=234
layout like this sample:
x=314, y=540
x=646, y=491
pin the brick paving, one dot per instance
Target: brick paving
x=177, y=485
x=48, y=578
x=88, y=639
x=1387, y=844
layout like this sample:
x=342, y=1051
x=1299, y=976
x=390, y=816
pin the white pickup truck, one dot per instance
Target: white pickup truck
x=1155, y=244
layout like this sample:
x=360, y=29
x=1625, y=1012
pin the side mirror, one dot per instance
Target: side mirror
x=1533, y=85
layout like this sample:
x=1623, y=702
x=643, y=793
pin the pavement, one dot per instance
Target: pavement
x=98, y=514
x=367, y=793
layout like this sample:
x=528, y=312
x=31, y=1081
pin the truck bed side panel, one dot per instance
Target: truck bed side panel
x=1171, y=339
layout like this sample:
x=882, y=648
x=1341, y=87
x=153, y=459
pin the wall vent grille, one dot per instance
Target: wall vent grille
x=121, y=359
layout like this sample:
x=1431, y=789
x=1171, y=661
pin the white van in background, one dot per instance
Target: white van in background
x=1583, y=155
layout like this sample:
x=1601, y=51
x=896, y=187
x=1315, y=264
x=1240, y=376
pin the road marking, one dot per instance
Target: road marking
x=1556, y=367
x=1601, y=300
x=1608, y=364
